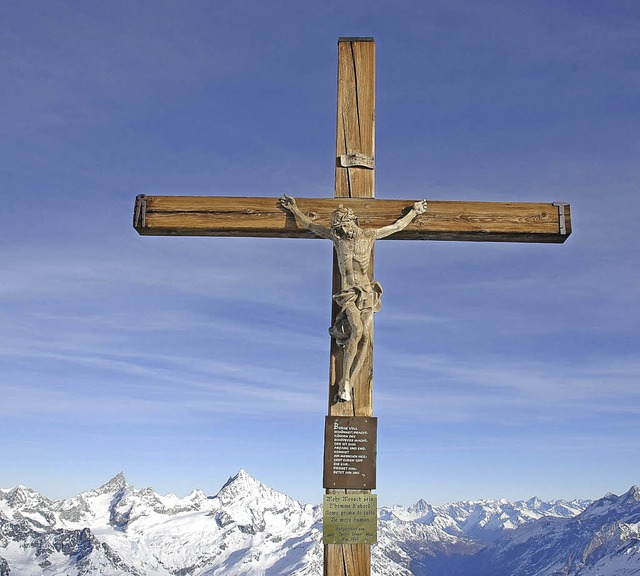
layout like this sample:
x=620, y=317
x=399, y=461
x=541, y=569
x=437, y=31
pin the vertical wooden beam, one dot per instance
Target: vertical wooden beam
x=355, y=122
x=355, y=178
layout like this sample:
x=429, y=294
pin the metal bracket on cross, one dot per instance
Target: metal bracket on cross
x=358, y=160
x=561, y=216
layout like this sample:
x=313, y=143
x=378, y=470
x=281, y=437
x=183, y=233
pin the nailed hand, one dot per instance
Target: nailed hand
x=420, y=207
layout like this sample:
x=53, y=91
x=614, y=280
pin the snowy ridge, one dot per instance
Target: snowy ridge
x=484, y=520
x=603, y=540
x=250, y=529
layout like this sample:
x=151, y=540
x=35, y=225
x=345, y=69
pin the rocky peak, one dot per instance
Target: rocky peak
x=422, y=510
x=118, y=482
x=534, y=503
x=22, y=498
x=253, y=506
x=241, y=486
x=242, y=477
x=632, y=496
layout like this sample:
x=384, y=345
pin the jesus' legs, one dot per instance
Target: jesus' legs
x=354, y=349
x=366, y=317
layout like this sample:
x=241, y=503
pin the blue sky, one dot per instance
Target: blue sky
x=501, y=370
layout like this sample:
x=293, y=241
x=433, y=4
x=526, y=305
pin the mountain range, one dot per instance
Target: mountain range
x=250, y=529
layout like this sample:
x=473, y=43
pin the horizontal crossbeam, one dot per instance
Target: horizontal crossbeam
x=264, y=217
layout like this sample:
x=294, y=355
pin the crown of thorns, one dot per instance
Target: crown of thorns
x=341, y=216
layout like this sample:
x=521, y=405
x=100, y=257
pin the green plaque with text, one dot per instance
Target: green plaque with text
x=350, y=519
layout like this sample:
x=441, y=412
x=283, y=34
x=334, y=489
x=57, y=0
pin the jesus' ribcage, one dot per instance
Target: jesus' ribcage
x=354, y=259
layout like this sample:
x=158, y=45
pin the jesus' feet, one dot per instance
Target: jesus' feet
x=344, y=391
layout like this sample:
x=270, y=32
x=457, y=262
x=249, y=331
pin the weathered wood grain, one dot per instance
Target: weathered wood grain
x=264, y=217
x=355, y=134
x=355, y=122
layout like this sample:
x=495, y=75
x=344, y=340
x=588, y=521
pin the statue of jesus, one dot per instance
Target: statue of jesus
x=359, y=296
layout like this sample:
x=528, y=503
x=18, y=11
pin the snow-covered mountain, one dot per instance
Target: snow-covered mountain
x=250, y=529
x=117, y=529
x=603, y=540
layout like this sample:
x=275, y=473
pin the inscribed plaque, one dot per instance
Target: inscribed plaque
x=350, y=452
x=350, y=519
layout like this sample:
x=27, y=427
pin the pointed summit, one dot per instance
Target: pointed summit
x=422, y=509
x=244, y=488
x=242, y=477
x=116, y=483
x=633, y=495
x=22, y=497
x=241, y=482
x=534, y=503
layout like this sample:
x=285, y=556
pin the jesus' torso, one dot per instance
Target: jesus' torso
x=354, y=258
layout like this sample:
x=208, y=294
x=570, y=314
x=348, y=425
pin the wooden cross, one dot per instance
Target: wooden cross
x=354, y=187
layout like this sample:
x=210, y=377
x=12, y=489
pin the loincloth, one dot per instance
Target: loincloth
x=364, y=297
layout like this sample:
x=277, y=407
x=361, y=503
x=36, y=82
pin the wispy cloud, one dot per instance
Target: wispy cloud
x=122, y=339
x=449, y=388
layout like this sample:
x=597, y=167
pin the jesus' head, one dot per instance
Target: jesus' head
x=343, y=222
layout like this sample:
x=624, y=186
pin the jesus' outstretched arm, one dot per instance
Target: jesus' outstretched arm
x=289, y=203
x=419, y=207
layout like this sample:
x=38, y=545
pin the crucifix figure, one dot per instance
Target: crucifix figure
x=355, y=292
x=359, y=295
